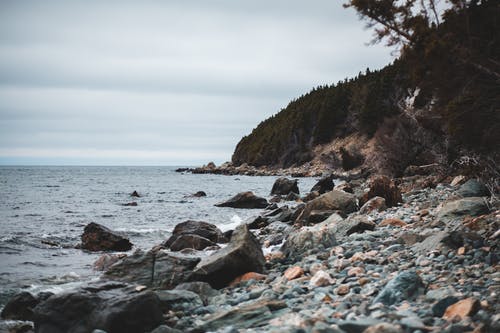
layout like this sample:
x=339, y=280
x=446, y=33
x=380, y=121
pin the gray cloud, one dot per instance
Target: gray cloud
x=171, y=78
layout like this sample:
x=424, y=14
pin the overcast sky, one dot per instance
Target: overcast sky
x=162, y=82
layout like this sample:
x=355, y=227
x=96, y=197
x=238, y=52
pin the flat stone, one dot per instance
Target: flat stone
x=293, y=272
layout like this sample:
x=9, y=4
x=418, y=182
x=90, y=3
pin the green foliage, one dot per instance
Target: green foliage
x=288, y=137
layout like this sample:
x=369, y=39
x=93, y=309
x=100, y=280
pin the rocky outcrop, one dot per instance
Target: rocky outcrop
x=245, y=200
x=194, y=235
x=473, y=188
x=382, y=186
x=97, y=237
x=156, y=269
x=330, y=201
x=242, y=254
x=111, y=306
x=285, y=186
x=458, y=209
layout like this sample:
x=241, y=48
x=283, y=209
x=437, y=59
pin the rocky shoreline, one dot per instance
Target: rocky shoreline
x=415, y=254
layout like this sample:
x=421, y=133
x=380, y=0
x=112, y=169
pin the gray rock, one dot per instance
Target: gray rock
x=472, y=206
x=285, y=186
x=202, y=289
x=190, y=241
x=178, y=300
x=353, y=224
x=405, y=286
x=358, y=325
x=20, y=307
x=246, y=316
x=243, y=254
x=165, y=329
x=330, y=201
x=245, y=200
x=202, y=229
x=113, y=307
x=473, y=188
x=305, y=239
x=274, y=233
x=439, y=308
x=158, y=269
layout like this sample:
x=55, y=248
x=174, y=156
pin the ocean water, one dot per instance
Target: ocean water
x=43, y=211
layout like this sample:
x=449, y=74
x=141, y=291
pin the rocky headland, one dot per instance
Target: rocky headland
x=413, y=254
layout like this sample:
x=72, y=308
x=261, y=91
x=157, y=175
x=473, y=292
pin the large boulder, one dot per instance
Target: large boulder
x=97, y=237
x=245, y=200
x=405, y=286
x=284, y=186
x=330, y=201
x=243, y=254
x=307, y=239
x=457, y=209
x=382, y=186
x=157, y=269
x=111, y=306
x=324, y=185
x=194, y=234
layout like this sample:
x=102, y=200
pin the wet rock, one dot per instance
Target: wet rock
x=202, y=289
x=311, y=196
x=323, y=185
x=190, y=241
x=461, y=309
x=374, y=204
x=306, y=239
x=245, y=200
x=178, y=300
x=292, y=196
x=199, y=194
x=20, y=307
x=345, y=187
x=382, y=186
x=208, y=235
x=157, y=269
x=97, y=237
x=164, y=329
x=457, y=209
x=404, y=286
x=112, y=307
x=330, y=201
x=250, y=315
x=243, y=254
x=284, y=186
x=135, y=194
x=473, y=188
x=130, y=204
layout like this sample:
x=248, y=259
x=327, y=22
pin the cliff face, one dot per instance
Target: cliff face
x=439, y=101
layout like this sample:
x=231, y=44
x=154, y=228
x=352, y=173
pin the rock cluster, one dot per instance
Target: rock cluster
x=421, y=259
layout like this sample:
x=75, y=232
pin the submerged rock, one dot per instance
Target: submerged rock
x=199, y=194
x=97, y=237
x=112, y=307
x=243, y=254
x=245, y=200
x=285, y=186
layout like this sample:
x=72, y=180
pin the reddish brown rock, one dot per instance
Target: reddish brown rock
x=342, y=290
x=393, y=222
x=294, y=272
x=464, y=308
x=248, y=276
